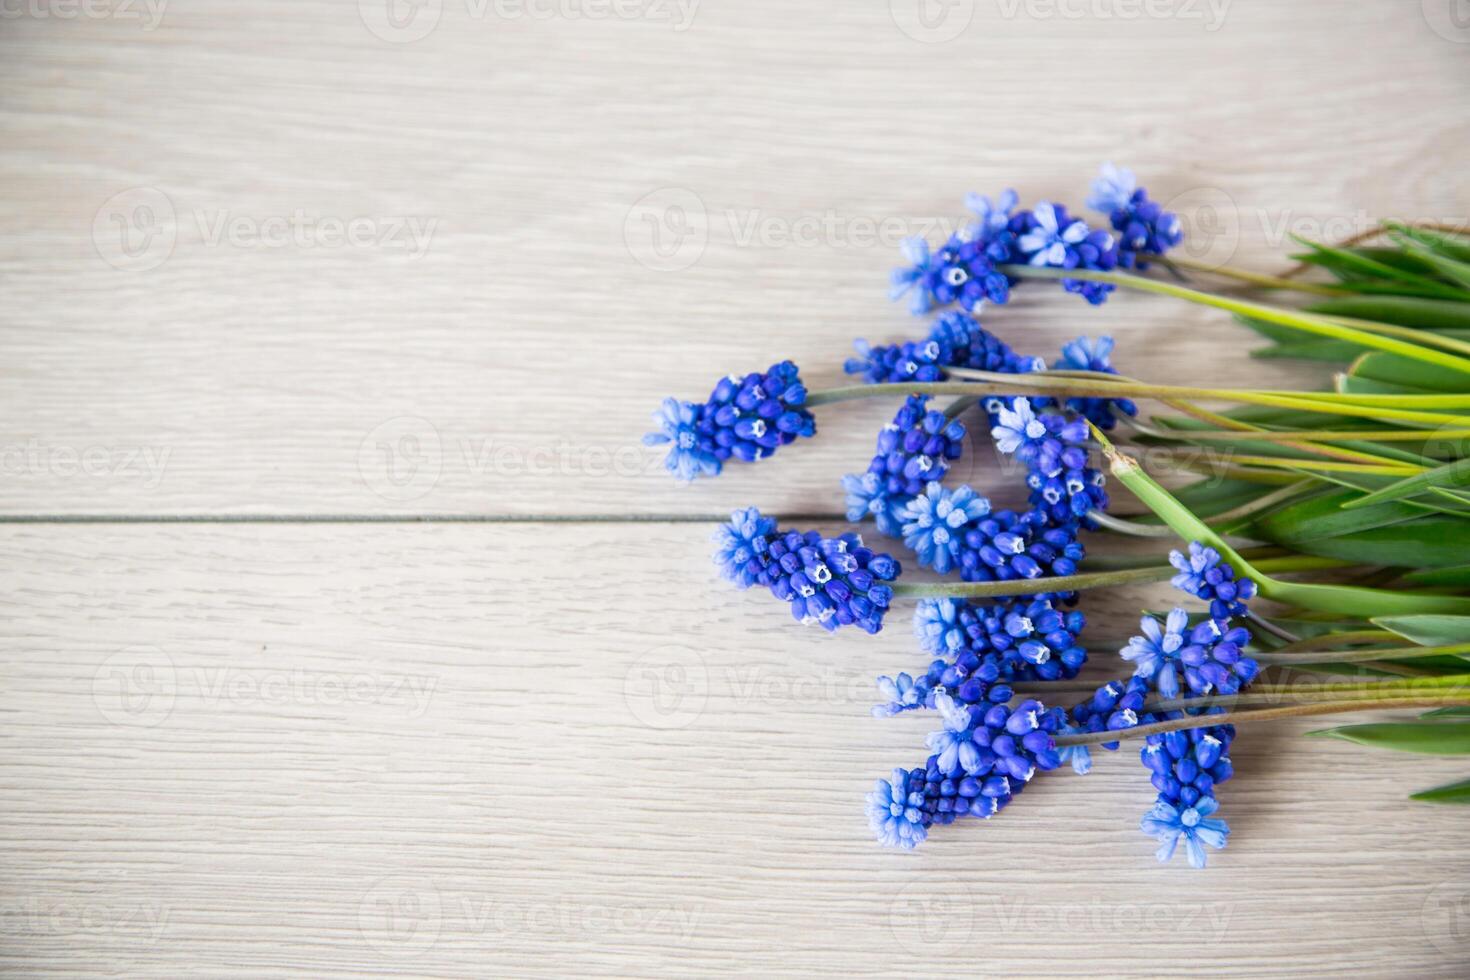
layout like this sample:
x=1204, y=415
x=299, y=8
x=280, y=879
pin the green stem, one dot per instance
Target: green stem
x=1261, y=714
x=1086, y=580
x=1280, y=658
x=1305, y=322
x=1246, y=275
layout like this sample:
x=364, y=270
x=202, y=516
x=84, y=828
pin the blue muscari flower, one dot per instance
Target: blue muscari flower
x=1114, y=707
x=934, y=524
x=1186, y=766
x=832, y=582
x=1080, y=756
x=1084, y=354
x=903, y=693
x=896, y=809
x=1008, y=545
x=742, y=547
x=1155, y=655
x=1054, y=448
x=915, y=449
x=961, y=271
x=1142, y=225
x=747, y=418
x=1215, y=661
x=1195, y=825
x=997, y=741
x=1112, y=189
x=1050, y=237
x=954, y=340
x=991, y=219
x=1205, y=576
x=937, y=626
x=688, y=457
x=1019, y=431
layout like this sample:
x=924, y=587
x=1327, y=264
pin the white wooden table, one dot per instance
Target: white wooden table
x=348, y=629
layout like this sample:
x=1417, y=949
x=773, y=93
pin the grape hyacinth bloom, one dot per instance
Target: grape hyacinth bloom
x=991, y=219
x=742, y=547
x=1064, y=489
x=1195, y=825
x=1050, y=237
x=1143, y=226
x=1084, y=354
x=903, y=693
x=955, y=340
x=997, y=741
x=915, y=449
x=747, y=418
x=678, y=429
x=1205, y=576
x=938, y=626
x=934, y=523
x=896, y=809
x=961, y=271
x=832, y=582
x=1155, y=654
x=1026, y=638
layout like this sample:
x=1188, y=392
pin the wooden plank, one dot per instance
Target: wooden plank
x=511, y=367
x=534, y=751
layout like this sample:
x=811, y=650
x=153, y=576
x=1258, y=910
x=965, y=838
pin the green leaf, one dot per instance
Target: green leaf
x=1450, y=246
x=1393, y=369
x=1428, y=630
x=1425, y=738
x=1450, y=476
x=1457, y=793
x=1349, y=265
x=1429, y=541
x=1452, y=269
x=1454, y=577
x=1457, y=711
x=1401, y=311
x=1323, y=516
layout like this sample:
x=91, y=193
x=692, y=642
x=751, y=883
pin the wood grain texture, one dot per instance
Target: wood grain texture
x=433, y=750
x=537, y=749
x=511, y=367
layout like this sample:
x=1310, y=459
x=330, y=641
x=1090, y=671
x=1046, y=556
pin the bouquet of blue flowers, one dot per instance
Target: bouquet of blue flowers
x=1335, y=544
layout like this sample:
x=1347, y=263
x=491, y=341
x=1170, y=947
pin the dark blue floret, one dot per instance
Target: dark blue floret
x=955, y=340
x=914, y=449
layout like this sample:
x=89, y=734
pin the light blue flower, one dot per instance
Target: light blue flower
x=1018, y=430
x=992, y=218
x=1079, y=755
x=1112, y=190
x=1168, y=823
x=1047, y=243
x=1156, y=653
x=866, y=497
x=937, y=625
x=901, y=693
x=934, y=523
x=896, y=810
x=677, y=428
x=741, y=546
x=955, y=748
